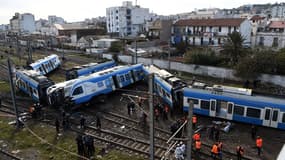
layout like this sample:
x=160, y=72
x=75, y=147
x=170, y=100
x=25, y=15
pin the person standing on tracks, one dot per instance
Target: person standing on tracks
x=253, y=132
x=215, y=151
x=220, y=147
x=82, y=122
x=240, y=152
x=258, y=144
x=57, y=125
x=217, y=133
x=129, y=109
x=194, y=121
x=80, y=147
x=198, y=145
x=165, y=112
x=156, y=114
x=98, y=120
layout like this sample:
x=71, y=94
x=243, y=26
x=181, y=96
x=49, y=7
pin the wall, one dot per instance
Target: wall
x=198, y=69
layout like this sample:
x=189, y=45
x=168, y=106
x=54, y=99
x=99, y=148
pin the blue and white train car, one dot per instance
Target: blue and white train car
x=46, y=65
x=33, y=83
x=86, y=88
x=167, y=86
x=88, y=69
x=258, y=110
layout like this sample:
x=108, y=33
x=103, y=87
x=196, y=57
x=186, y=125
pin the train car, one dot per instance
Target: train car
x=258, y=110
x=33, y=83
x=88, y=69
x=167, y=86
x=85, y=89
x=46, y=65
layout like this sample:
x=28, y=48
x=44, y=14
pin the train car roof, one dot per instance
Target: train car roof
x=160, y=72
x=43, y=60
x=253, y=98
x=32, y=75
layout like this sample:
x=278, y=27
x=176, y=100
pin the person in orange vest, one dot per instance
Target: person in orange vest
x=156, y=113
x=240, y=152
x=259, y=144
x=32, y=111
x=194, y=121
x=215, y=151
x=197, y=148
x=196, y=137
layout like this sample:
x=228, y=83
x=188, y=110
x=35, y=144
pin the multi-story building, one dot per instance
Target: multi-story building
x=55, y=20
x=23, y=23
x=278, y=11
x=209, y=31
x=126, y=20
x=160, y=29
x=271, y=36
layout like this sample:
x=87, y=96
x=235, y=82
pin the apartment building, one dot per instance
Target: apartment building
x=203, y=32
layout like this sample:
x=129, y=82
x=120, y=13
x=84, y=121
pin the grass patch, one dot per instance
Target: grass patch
x=4, y=87
x=32, y=147
x=57, y=77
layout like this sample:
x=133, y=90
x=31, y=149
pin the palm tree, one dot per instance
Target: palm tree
x=233, y=46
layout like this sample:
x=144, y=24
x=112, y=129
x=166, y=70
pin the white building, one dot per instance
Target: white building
x=126, y=20
x=209, y=31
x=23, y=23
x=55, y=20
x=271, y=36
x=278, y=11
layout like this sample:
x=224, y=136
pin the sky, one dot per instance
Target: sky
x=75, y=10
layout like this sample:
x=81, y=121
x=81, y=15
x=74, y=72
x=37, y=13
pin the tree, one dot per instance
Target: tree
x=247, y=68
x=181, y=47
x=233, y=47
x=116, y=47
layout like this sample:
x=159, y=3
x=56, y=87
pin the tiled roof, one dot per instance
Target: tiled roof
x=277, y=24
x=257, y=17
x=210, y=22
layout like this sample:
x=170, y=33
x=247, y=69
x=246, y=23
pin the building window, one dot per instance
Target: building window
x=261, y=41
x=202, y=40
x=230, y=28
x=220, y=29
x=211, y=28
x=275, y=42
x=219, y=40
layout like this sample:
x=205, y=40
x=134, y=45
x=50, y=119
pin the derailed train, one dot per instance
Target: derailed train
x=229, y=103
x=224, y=102
x=89, y=68
x=87, y=88
x=46, y=65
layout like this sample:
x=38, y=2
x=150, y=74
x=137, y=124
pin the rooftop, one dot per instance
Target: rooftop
x=210, y=22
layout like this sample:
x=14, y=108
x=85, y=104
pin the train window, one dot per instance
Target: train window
x=275, y=115
x=213, y=105
x=168, y=95
x=230, y=108
x=100, y=84
x=155, y=86
x=77, y=91
x=163, y=92
x=122, y=79
x=252, y=112
x=127, y=77
x=283, y=119
x=267, y=114
x=205, y=105
x=195, y=101
x=238, y=110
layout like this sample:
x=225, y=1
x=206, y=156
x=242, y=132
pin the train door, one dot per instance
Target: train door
x=230, y=111
x=271, y=117
x=213, y=103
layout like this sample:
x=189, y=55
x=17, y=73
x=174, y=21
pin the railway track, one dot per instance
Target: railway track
x=8, y=156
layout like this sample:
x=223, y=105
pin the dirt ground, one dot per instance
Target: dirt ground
x=240, y=134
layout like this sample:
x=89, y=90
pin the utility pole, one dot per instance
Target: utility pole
x=151, y=125
x=189, y=130
x=136, y=45
x=169, y=56
x=13, y=92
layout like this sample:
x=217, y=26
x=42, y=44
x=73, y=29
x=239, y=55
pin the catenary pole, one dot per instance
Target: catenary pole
x=151, y=126
x=13, y=92
x=189, y=130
